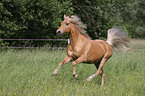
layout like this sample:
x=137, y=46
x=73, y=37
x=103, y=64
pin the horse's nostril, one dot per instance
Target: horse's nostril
x=58, y=31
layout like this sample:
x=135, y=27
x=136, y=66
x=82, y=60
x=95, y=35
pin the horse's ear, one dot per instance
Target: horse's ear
x=69, y=16
x=64, y=16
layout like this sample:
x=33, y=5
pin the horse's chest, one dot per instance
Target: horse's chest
x=73, y=54
x=75, y=51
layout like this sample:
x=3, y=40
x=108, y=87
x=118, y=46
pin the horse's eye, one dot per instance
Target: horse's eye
x=67, y=24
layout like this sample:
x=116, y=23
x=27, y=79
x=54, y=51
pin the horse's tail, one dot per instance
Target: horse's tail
x=118, y=39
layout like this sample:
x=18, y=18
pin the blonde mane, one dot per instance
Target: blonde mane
x=79, y=25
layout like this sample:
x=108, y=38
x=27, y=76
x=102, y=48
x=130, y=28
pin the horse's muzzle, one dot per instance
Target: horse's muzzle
x=58, y=33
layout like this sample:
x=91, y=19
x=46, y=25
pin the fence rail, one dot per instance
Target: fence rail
x=10, y=47
x=34, y=40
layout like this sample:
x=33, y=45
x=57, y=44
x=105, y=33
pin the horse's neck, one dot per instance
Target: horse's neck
x=76, y=36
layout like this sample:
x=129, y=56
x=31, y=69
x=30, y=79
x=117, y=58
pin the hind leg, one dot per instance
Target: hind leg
x=100, y=68
x=102, y=73
x=99, y=71
x=92, y=76
x=103, y=77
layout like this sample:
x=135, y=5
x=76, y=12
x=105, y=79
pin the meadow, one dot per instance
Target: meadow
x=28, y=72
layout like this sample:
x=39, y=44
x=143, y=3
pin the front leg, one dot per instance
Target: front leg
x=66, y=60
x=79, y=60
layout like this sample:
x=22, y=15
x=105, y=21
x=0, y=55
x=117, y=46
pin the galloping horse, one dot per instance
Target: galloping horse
x=82, y=49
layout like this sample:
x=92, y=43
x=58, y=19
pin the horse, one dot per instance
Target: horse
x=82, y=49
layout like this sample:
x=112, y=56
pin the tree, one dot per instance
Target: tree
x=40, y=18
x=92, y=13
x=100, y=15
x=31, y=18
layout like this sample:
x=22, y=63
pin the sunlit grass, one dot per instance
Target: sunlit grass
x=29, y=73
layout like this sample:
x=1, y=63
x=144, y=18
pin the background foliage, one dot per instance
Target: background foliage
x=41, y=18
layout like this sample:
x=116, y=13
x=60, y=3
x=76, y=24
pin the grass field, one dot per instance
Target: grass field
x=29, y=73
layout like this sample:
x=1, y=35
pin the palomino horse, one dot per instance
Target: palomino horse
x=82, y=49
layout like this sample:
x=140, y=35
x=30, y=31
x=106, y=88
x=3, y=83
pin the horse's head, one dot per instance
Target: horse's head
x=65, y=26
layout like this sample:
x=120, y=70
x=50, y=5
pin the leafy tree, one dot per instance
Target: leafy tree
x=40, y=18
x=100, y=15
x=133, y=16
x=31, y=18
x=92, y=12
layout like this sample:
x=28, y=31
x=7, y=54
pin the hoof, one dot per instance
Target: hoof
x=54, y=74
x=75, y=76
x=88, y=79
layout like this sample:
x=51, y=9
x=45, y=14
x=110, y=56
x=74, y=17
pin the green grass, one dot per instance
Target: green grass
x=138, y=44
x=29, y=73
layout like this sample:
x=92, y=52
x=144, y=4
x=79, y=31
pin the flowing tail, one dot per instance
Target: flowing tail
x=118, y=39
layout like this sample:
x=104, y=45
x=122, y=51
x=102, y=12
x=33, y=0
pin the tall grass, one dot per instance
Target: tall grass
x=137, y=44
x=29, y=73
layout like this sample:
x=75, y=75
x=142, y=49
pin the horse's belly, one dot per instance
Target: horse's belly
x=92, y=61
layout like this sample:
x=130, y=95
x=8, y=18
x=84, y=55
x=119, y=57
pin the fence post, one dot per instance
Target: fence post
x=68, y=41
